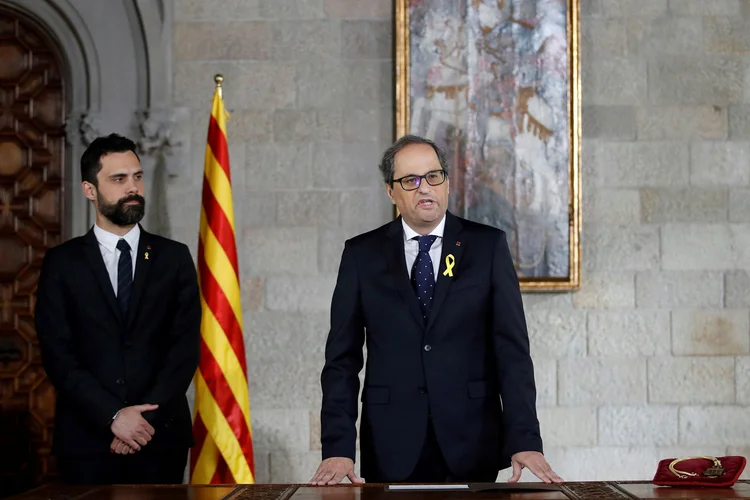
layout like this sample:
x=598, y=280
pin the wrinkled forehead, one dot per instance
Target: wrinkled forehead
x=415, y=159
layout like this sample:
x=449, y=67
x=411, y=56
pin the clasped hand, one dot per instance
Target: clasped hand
x=131, y=430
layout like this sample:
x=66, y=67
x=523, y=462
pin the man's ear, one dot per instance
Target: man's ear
x=389, y=192
x=89, y=190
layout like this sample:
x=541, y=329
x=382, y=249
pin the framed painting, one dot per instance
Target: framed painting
x=496, y=84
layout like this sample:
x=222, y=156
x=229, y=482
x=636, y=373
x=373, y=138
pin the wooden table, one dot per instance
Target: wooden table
x=603, y=490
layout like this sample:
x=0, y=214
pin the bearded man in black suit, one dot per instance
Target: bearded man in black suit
x=118, y=319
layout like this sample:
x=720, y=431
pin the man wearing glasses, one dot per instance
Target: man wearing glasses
x=449, y=392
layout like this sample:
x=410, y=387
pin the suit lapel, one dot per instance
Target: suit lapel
x=397, y=267
x=143, y=258
x=95, y=260
x=451, y=246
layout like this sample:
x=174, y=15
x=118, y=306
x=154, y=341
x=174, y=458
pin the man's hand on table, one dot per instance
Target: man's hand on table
x=536, y=463
x=333, y=470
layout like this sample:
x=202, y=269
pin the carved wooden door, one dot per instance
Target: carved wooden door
x=32, y=149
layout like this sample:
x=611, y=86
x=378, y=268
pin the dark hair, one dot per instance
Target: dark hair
x=387, y=164
x=91, y=160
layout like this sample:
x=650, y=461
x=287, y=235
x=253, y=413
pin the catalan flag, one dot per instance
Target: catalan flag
x=224, y=450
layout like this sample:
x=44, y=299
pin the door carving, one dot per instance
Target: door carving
x=32, y=214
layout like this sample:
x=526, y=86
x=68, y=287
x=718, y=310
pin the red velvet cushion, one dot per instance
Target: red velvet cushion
x=733, y=467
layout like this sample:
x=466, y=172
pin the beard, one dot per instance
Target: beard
x=120, y=214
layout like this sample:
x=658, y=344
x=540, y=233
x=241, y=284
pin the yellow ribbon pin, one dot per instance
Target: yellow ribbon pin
x=450, y=261
x=146, y=255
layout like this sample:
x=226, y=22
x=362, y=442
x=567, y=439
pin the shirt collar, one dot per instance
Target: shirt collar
x=409, y=233
x=109, y=240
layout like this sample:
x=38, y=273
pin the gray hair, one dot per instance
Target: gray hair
x=387, y=164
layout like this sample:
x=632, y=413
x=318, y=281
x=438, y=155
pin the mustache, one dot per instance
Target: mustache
x=132, y=197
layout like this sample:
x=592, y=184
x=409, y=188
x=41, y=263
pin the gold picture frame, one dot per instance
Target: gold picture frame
x=491, y=92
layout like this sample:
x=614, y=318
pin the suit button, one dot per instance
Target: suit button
x=422, y=389
x=428, y=348
x=120, y=381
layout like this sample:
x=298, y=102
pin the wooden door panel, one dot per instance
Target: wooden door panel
x=32, y=151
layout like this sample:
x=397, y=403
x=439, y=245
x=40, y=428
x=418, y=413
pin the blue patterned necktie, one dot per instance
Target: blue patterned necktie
x=423, y=275
x=124, y=276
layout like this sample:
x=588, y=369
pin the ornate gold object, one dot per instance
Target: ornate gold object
x=715, y=470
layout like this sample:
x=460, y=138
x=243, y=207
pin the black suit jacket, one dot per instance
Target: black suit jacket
x=473, y=351
x=100, y=362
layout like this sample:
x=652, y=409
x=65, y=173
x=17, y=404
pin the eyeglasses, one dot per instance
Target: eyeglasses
x=412, y=182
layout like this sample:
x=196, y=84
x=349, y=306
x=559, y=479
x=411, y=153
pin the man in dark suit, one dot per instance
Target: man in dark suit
x=118, y=319
x=449, y=392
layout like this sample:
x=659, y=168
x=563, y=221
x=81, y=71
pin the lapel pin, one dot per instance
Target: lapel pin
x=146, y=255
x=458, y=243
x=450, y=261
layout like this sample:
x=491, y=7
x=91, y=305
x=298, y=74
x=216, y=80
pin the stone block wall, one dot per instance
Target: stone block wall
x=650, y=359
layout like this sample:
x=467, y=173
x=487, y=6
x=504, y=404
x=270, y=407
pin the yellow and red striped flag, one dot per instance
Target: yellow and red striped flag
x=224, y=448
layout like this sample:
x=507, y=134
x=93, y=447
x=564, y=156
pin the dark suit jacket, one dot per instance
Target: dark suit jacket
x=100, y=362
x=473, y=351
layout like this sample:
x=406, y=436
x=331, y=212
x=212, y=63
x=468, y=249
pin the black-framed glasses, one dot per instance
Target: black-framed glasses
x=412, y=182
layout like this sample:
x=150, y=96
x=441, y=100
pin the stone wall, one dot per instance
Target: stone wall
x=650, y=359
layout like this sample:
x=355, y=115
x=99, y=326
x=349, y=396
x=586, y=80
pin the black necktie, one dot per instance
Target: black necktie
x=423, y=275
x=124, y=276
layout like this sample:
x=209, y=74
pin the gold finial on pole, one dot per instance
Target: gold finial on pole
x=219, y=79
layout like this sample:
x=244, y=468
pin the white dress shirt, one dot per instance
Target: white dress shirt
x=110, y=253
x=411, y=247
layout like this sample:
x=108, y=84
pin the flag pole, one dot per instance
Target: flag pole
x=219, y=79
